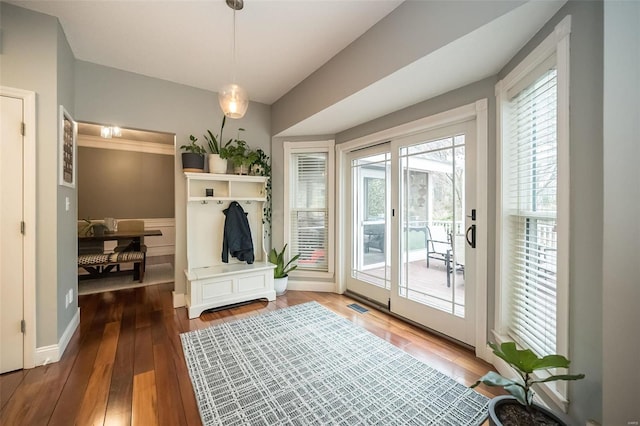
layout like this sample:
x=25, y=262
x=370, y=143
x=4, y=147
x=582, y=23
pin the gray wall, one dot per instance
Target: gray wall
x=67, y=241
x=124, y=184
x=585, y=307
x=413, y=30
x=621, y=242
x=29, y=62
x=108, y=95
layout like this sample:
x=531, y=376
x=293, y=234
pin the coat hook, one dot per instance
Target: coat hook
x=219, y=202
x=248, y=201
x=204, y=202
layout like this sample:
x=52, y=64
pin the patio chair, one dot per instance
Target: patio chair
x=439, y=247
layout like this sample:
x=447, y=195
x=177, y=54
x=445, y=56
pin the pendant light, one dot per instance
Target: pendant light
x=233, y=98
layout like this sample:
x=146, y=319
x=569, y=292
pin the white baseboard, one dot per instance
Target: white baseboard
x=324, y=287
x=178, y=300
x=47, y=354
x=164, y=250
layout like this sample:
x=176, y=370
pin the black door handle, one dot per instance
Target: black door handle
x=471, y=242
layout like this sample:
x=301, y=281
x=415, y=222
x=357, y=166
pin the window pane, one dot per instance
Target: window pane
x=531, y=198
x=309, y=213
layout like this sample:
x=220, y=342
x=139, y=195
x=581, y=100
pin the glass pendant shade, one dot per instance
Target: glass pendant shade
x=234, y=100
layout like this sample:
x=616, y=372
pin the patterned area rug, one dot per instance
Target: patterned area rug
x=305, y=365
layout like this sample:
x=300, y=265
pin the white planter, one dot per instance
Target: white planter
x=280, y=285
x=241, y=169
x=217, y=165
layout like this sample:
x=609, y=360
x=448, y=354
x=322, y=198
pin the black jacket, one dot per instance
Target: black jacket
x=237, y=235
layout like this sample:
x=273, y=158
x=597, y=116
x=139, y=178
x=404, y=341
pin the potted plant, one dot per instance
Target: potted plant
x=519, y=408
x=90, y=228
x=218, y=152
x=193, y=157
x=241, y=155
x=281, y=272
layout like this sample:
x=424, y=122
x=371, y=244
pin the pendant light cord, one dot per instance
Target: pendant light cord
x=233, y=68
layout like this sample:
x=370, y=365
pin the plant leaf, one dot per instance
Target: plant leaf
x=518, y=393
x=494, y=379
x=523, y=360
x=560, y=377
x=551, y=361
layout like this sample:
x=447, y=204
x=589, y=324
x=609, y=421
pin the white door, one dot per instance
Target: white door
x=11, y=240
x=369, y=223
x=434, y=280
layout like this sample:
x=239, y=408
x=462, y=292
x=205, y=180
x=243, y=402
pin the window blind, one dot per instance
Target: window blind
x=531, y=195
x=309, y=213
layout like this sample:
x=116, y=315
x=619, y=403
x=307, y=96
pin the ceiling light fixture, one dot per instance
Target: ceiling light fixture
x=108, y=132
x=233, y=98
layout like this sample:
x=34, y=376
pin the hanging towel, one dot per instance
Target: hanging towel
x=237, y=235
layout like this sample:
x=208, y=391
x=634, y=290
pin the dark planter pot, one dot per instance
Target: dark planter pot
x=192, y=162
x=496, y=403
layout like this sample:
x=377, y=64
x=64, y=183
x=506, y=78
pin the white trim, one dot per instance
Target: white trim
x=476, y=110
x=321, y=286
x=556, y=43
x=446, y=118
x=120, y=144
x=29, y=214
x=47, y=354
x=302, y=147
x=482, y=222
x=178, y=300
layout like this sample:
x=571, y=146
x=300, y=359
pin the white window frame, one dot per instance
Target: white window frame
x=327, y=147
x=556, y=43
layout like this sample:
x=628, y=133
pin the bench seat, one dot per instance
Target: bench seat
x=93, y=262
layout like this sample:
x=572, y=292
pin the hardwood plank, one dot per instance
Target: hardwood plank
x=144, y=410
x=118, y=410
x=9, y=382
x=94, y=403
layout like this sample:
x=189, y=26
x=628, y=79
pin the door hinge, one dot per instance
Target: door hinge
x=22, y=127
x=22, y=226
x=23, y=326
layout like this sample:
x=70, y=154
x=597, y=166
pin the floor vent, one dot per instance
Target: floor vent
x=358, y=308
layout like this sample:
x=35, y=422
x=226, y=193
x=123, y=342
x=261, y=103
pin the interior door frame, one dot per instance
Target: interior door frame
x=29, y=217
x=477, y=110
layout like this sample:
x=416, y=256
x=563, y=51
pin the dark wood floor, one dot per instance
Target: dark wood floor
x=124, y=365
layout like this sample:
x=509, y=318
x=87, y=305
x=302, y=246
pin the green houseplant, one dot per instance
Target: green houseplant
x=282, y=269
x=520, y=406
x=193, y=157
x=241, y=155
x=218, y=151
x=262, y=167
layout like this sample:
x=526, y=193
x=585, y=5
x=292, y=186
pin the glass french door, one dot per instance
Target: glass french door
x=370, y=225
x=412, y=203
x=435, y=175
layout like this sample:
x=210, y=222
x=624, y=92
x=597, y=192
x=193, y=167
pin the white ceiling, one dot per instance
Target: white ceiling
x=279, y=44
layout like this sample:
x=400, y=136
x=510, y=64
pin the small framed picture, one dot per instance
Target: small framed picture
x=68, y=133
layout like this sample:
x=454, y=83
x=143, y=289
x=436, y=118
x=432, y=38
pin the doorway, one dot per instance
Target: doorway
x=126, y=177
x=411, y=206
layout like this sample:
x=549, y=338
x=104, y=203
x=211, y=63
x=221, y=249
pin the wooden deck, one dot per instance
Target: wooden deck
x=124, y=365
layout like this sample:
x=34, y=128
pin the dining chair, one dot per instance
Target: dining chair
x=128, y=244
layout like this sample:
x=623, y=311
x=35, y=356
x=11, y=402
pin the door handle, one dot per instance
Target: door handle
x=472, y=230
